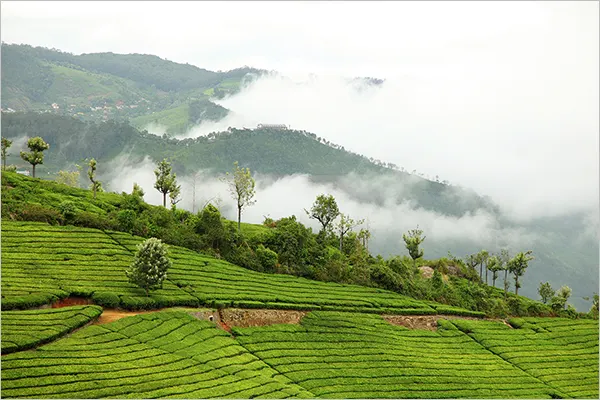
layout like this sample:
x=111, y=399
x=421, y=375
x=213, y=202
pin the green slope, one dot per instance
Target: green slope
x=560, y=352
x=266, y=151
x=41, y=263
x=25, y=329
x=328, y=355
x=130, y=86
x=149, y=356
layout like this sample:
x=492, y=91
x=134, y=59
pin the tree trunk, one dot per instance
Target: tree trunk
x=516, y=285
x=341, y=241
x=486, y=275
x=33, y=173
x=94, y=188
x=239, y=219
x=146, y=291
x=494, y=280
x=165, y=199
x=481, y=271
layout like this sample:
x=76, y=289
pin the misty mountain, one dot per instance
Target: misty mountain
x=454, y=218
x=140, y=88
x=269, y=151
x=134, y=92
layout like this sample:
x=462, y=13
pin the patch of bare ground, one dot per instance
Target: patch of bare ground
x=108, y=316
x=245, y=318
x=428, y=322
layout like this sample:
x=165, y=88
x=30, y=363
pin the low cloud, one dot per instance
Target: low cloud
x=291, y=195
x=518, y=140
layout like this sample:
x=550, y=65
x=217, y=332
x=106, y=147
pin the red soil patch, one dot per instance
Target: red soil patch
x=72, y=301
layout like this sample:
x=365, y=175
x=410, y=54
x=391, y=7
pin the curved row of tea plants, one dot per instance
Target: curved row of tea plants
x=42, y=263
x=561, y=352
x=25, y=329
x=147, y=356
x=342, y=355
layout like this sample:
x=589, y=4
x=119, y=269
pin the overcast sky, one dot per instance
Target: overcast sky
x=501, y=97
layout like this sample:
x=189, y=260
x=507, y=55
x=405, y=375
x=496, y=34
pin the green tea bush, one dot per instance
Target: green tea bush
x=27, y=301
x=106, y=299
x=138, y=303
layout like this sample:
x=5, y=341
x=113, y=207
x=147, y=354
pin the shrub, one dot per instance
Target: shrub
x=91, y=220
x=106, y=299
x=138, y=303
x=126, y=219
x=38, y=213
x=68, y=210
x=267, y=258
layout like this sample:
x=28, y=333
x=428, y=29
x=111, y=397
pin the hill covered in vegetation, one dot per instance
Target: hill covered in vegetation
x=60, y=242
x=283, y=246
x=138, y=87
x=269, y=151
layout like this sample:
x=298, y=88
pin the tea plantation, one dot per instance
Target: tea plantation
x=329, y=355
x=41, y=263
x=341, y=349
x=560, y=352
x=25, y=329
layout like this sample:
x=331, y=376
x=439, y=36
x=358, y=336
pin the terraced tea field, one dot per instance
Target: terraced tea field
x=561, y=352
x=328, y=355
x=41, y=263
x=25, y=329
x=147, y=356
x=340, y=355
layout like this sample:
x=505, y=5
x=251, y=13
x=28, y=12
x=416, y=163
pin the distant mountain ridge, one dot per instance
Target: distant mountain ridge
x=101, y=86
x=143, y=89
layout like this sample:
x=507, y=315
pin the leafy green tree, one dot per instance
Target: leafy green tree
x=413, y=240
x=546, y=292
x=503, y=259
x=241, y=186
x=517, y=266
x=175, y=195
x=494, y=265
x=5, y=145
x=324, y=210
x=364, y=235
x=138, y=191
x=594, y=309
x=150, y=264
x=345, y=225
x=166, y=180
x=267, y=258
x=564, y=293
x=36, y=155
x=484, y=255
x=472, y=261
x=210, y=224
x=96, y=185
x=69, y=178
